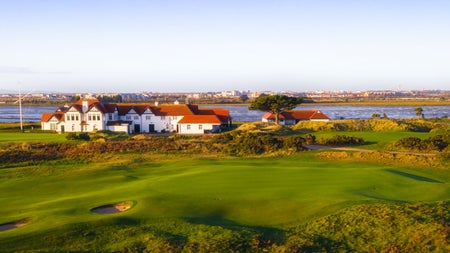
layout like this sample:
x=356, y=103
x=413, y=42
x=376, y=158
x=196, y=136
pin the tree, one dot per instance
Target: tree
x=275, y=104
x=243, y=98
x=419, y=111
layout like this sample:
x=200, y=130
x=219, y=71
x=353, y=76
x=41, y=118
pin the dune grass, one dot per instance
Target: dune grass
x=265, y=194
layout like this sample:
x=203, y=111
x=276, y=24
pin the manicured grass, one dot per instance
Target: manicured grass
x=375, y=140
x=267, y=193
x=17, y=137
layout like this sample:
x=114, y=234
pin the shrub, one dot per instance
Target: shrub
x=80, y=136
x=294, y=142
x=71, y=136
x=434, y=143
x=342, y=140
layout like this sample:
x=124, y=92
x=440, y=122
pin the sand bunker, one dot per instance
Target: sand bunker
x=14, y=224
x=113, y=208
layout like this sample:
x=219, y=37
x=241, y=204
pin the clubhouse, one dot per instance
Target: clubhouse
x=88, y=115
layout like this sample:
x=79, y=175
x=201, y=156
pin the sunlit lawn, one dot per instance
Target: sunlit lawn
x=375, y=140
x=30, y=137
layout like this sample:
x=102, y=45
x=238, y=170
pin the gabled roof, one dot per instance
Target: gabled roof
x=99, y=106
x=319, y=115
x=109, y=108
x=200, y=119
x=46, y=117
x=90, y=101
x=298, y=115
x=173, y=110
x=222, y=114
x=269, y=115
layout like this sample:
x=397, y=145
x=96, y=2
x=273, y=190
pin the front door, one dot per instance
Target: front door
x=137, y=128
x=151, y=128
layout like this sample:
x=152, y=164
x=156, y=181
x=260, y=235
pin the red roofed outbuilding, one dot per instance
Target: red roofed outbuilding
x=200, y=124
x=292, y=117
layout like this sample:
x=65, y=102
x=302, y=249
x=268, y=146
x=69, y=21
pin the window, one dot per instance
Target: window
x=188, y=127
x=77, y=117
x=148, y=117
x=52, y=126
x=200, y=127
x=163, y=117
x=73, y=128
x=175, y=117
x=128, y=117
x=89, y=117
x=98, y=117
x=72, y=117
x=67, y=117
x=110, y=117
x=136, y=117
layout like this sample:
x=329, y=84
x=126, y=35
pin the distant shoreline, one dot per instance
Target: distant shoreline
x=388, y=102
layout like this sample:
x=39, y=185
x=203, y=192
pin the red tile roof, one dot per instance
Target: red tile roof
x=223, y=114
x=200, y=119
x=173, y=110
x=298, y=115
x=46, y=116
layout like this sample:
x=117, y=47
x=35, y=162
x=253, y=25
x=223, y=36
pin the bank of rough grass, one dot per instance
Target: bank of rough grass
x=203, y=204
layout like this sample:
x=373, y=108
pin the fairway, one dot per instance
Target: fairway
x=376, y=140
x=267, y=192
x=18, y=137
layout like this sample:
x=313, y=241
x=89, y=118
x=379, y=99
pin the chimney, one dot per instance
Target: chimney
x=84, y=106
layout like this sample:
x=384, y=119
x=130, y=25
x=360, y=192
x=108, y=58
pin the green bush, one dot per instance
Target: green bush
x=434, y=143
x=80, y=136
x=342, y=140
x=294, y=142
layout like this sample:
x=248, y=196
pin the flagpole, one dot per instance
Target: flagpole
x=20, y=111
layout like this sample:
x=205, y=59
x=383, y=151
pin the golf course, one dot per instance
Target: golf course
x=208, y=201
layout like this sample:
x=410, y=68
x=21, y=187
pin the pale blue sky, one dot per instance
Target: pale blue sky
x=132, y=46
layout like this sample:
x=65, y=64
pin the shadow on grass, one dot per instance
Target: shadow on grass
x=379, y=197
x=414, y=177
x=267, y=234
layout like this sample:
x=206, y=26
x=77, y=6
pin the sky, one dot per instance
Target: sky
x=198, y=46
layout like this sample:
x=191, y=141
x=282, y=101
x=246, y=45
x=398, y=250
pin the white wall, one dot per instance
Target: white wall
x=194, y=128
x=121, y=128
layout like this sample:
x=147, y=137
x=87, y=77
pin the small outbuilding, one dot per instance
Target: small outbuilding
x=292, y=117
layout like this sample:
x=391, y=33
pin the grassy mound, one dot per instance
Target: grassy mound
x=260, y=127
x=376, y=228
x=375, y=125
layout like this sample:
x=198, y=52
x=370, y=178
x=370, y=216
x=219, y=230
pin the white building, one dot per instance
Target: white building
x=88, y=115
